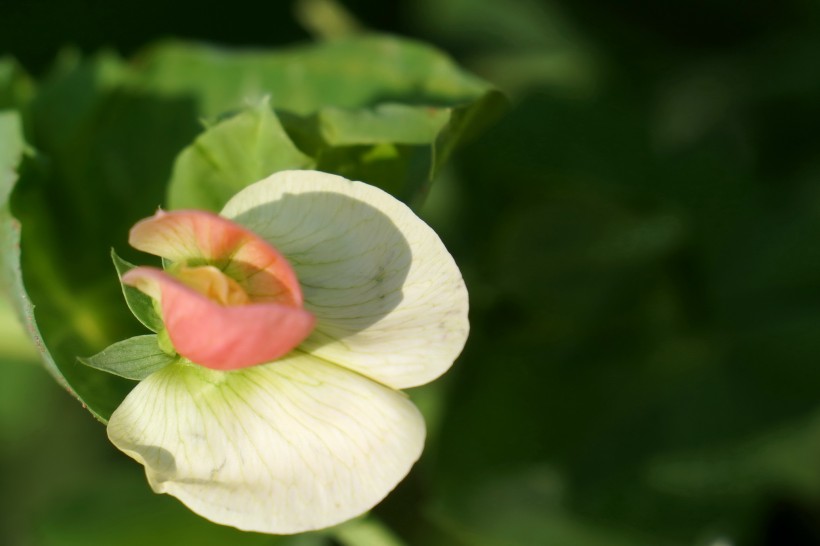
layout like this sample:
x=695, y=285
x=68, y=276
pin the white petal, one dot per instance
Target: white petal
x=389, y=300
x=281, y=448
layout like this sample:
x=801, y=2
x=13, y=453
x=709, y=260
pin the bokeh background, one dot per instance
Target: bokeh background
x=639, y=235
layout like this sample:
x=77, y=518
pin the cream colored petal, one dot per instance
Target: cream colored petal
x=282, y=448
x=389, y=300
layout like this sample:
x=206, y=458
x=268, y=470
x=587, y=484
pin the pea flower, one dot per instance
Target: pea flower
x=299, y=313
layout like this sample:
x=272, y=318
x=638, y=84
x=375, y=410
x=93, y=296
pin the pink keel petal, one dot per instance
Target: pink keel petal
x=184, y=235
x=222, y=337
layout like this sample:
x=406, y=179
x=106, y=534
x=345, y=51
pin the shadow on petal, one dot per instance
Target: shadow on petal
x=351, y=258
x=159, y=460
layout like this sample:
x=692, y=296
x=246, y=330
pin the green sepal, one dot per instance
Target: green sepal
x=134, y=358
x=164, y=343
x=140, y=304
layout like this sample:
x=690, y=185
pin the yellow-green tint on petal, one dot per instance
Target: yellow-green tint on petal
x=196, y=238
x=213, y=284
x=291, y=446
x=217, y=336
x=388, y=298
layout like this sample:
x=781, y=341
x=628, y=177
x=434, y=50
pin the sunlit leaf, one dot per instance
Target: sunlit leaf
x=392, y=120
x=347, y=73
x=103, y=157
x=231, y=155
x=133, y=358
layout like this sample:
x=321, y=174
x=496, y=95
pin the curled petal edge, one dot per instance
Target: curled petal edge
x=195, y=235
x=221, y=337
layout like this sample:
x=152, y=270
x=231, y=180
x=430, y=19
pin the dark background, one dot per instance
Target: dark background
x=640, y=239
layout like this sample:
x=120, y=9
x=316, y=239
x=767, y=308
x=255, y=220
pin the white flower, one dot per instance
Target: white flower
x=323, y=433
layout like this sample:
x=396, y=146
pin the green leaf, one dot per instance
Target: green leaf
x=11, y=153
x=16, y=87
x=392, y=120
x=104, y=154
x=106, y=135
x=467, y=122
x=388, y=122
x=11, y=282
x=229, y=156
x=140, y=303
x=15, y=343
x=400, y=148
x=401, y=170
x=134, y=358
x=90, y=389
x=355, y=72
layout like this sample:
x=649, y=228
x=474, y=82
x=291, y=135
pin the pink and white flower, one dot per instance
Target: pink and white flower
x=299, y=313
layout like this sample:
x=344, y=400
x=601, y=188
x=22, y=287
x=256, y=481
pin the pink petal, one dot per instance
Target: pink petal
x=222, y=337
x=198, y=236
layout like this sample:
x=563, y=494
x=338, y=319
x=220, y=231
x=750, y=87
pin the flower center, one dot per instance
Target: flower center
x=212, y=283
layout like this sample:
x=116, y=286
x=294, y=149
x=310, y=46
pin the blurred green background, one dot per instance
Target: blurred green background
x=639, y=237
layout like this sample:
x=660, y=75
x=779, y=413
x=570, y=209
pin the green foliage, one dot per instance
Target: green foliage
x=641, y=368
x=141, y=305
x=231, y=155
x=98, y=167
x=112, y=139
x=16, y=88
x=638, y=236
x=133, y=358
x=348, y=73
x=148, y=518
x=378, y=109
x=11, y=155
